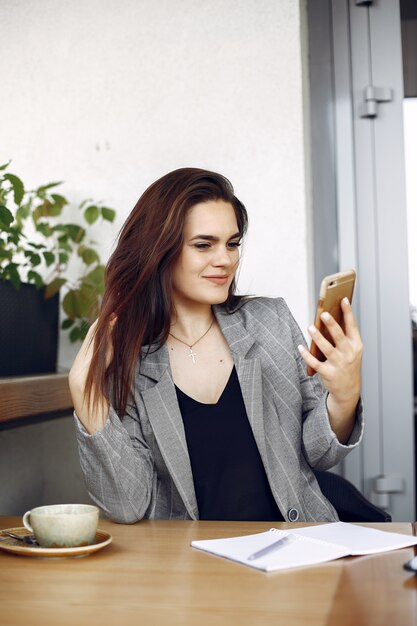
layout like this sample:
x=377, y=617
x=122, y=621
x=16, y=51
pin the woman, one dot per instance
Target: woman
x=192, y=402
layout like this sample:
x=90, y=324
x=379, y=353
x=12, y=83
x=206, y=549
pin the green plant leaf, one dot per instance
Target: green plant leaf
x=18, y=187
x=78, y=302
x=5, y=165
x=88, y=255
x=14, y=238
x=23, y=211
x=95, y=279
x=36, y=246
x=15, y=279
x=34, y=258
x=64, y=245
x=40, y=191
x=63, y=257
x=67, y=323
x=54, y=209
x=6, y=217
x=78, y=333
x=47, y=209
x=42, y=210
x=5, y=253
x=108, y=214
x=54, y=287
x=44, y=229
x=75, y=232
x=75, y=335
x=34, y=277
x=49, y=258
x=60, y=200
x=91, y=214
x=11, y=273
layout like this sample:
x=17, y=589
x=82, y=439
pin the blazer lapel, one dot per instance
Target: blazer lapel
x=248, y=371
x=165, y=417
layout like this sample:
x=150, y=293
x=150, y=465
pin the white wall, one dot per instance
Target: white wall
x=108, y=95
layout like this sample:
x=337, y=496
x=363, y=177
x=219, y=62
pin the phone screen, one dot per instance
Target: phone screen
x=332, y=291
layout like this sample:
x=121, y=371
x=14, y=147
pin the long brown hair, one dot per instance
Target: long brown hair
x=137, y=303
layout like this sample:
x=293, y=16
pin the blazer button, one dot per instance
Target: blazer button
x=293, y=515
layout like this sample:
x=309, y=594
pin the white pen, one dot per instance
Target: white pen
x=271, y=548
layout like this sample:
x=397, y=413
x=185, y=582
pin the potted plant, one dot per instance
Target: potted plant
x=39, y=252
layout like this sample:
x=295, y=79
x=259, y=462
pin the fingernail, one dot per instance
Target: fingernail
x=345, y=301
x=312, y=329
x=301, y=349
x=325, y=316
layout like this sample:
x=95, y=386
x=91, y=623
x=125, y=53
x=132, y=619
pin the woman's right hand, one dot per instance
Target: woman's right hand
x=92, y=419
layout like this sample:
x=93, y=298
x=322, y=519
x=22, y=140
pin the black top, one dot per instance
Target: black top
x=229, y=477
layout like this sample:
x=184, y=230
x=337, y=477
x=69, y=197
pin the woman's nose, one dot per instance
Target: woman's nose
x=224, y=258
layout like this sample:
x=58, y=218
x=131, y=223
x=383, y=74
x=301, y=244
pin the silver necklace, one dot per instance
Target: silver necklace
x=191, y=346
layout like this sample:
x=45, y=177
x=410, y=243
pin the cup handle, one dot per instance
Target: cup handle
x=26, y=524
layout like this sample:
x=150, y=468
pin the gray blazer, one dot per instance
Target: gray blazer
x=139, y=467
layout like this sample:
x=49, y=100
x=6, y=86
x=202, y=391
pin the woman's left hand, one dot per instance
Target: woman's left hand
x=341, y=372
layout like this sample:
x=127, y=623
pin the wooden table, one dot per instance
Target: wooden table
x=150, y=575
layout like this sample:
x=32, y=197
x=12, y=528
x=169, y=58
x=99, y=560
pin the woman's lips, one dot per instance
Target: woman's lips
x=217, y=280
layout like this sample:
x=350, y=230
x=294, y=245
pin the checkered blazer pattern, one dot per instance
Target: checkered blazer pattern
x=138, y=466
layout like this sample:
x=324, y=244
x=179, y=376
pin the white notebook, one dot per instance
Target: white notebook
x=306, y=546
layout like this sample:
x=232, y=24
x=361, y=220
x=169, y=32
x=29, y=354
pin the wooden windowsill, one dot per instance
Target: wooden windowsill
x=29, y=396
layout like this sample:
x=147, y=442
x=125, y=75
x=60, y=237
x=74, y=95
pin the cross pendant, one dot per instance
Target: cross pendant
x=192, y=354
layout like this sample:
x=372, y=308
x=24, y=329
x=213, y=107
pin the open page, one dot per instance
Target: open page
x=310, y=545
x=358, y=539
x=296, y=553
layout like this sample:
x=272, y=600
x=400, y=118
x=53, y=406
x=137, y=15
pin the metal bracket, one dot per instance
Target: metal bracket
x=389, y=484
x=372, y=96
x=383, y=486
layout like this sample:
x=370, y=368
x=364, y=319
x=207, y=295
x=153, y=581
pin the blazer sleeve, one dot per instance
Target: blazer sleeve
x=118, y=467
x=321, y=447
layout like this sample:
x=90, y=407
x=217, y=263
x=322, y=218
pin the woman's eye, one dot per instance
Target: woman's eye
x=231, y=245
x=202, y=246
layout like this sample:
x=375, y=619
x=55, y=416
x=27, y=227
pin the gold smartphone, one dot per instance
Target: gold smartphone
x=332, y=291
